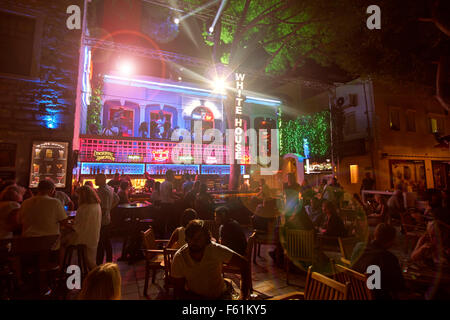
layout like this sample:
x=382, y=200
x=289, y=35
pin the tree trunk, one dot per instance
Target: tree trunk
x=235, y=169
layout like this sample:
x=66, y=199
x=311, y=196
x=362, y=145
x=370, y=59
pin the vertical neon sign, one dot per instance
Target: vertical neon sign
x=238, y=123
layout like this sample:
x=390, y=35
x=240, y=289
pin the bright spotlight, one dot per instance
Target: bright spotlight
x=176, y=20
x=219, y=85
x=211, y=29
x=125, y=67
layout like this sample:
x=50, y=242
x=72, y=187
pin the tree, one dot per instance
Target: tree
x=282, y=34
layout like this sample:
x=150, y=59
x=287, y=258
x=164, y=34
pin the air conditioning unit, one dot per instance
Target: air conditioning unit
x=348, y=100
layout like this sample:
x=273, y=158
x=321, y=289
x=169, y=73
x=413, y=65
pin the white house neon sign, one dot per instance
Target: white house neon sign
x=238, y=131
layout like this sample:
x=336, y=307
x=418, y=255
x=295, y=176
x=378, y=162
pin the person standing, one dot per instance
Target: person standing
x=368, y=183
x=108, y=200
x=188, y=184
x=168, y=216
x=88, y=223
x=291, y=190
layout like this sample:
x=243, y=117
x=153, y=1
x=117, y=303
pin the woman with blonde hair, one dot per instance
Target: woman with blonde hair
x=87, y=223
x=102, y=283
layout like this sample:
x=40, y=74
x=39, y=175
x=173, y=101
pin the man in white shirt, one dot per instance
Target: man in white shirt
x=197, y=266
x=42, y=215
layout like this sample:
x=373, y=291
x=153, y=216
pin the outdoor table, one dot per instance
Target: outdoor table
x=421, y=277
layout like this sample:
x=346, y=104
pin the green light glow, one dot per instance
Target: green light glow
x=315, y=128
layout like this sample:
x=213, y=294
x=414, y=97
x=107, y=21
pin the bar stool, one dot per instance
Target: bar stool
x=81, y=258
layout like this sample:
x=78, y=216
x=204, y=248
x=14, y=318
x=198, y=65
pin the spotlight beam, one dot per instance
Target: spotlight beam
x=206, y=5
x=219, y=12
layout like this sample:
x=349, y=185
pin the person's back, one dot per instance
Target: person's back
x=87, y=223
x=376, y=253
x=334, y=227
x=107, y=201
x=203, y=204
x=166, y=191
x=187, y=185
x=40, y=216
x=300, y=221
x=232, y=236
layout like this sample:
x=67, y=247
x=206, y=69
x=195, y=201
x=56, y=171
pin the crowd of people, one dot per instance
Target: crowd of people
x=181, y=214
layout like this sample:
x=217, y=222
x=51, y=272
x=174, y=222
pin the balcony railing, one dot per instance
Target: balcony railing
x=136, y=150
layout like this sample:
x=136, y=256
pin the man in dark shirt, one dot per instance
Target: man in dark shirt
x=231, y=234
x=376, y=253
x=115, y=182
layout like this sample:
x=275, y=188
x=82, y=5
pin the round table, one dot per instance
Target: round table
x=133, y=216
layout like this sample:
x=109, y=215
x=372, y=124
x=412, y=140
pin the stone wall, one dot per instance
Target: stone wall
x=42, y=106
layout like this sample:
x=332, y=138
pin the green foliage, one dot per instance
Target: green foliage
x=315, y=128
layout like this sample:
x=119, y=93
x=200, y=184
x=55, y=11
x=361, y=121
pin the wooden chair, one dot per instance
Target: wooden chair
x=358, y=289
x=248, y=255
x=299, y=247
x=168, y=258
x=154, y=257
x=318, y=287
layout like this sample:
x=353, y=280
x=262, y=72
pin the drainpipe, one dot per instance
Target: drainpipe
x=369, y=134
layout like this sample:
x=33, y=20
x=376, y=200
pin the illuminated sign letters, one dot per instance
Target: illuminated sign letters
x=104, y=155
x=238, y=130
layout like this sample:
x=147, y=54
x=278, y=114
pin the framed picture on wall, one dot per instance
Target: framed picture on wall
x=49, y=161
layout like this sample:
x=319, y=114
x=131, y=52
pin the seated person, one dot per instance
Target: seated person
x=10, y=199
x=429, y=246
x=333, y=225
x=231, y=234
x=197, y=267
x=314, y=212
x=123, y=192
x=379, y=213
x=299, y=221
x=178, y=238
x=102, y=283
x=265, y=213
x=376, y=253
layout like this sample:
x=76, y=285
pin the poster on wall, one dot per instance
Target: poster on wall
x=49, y=161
